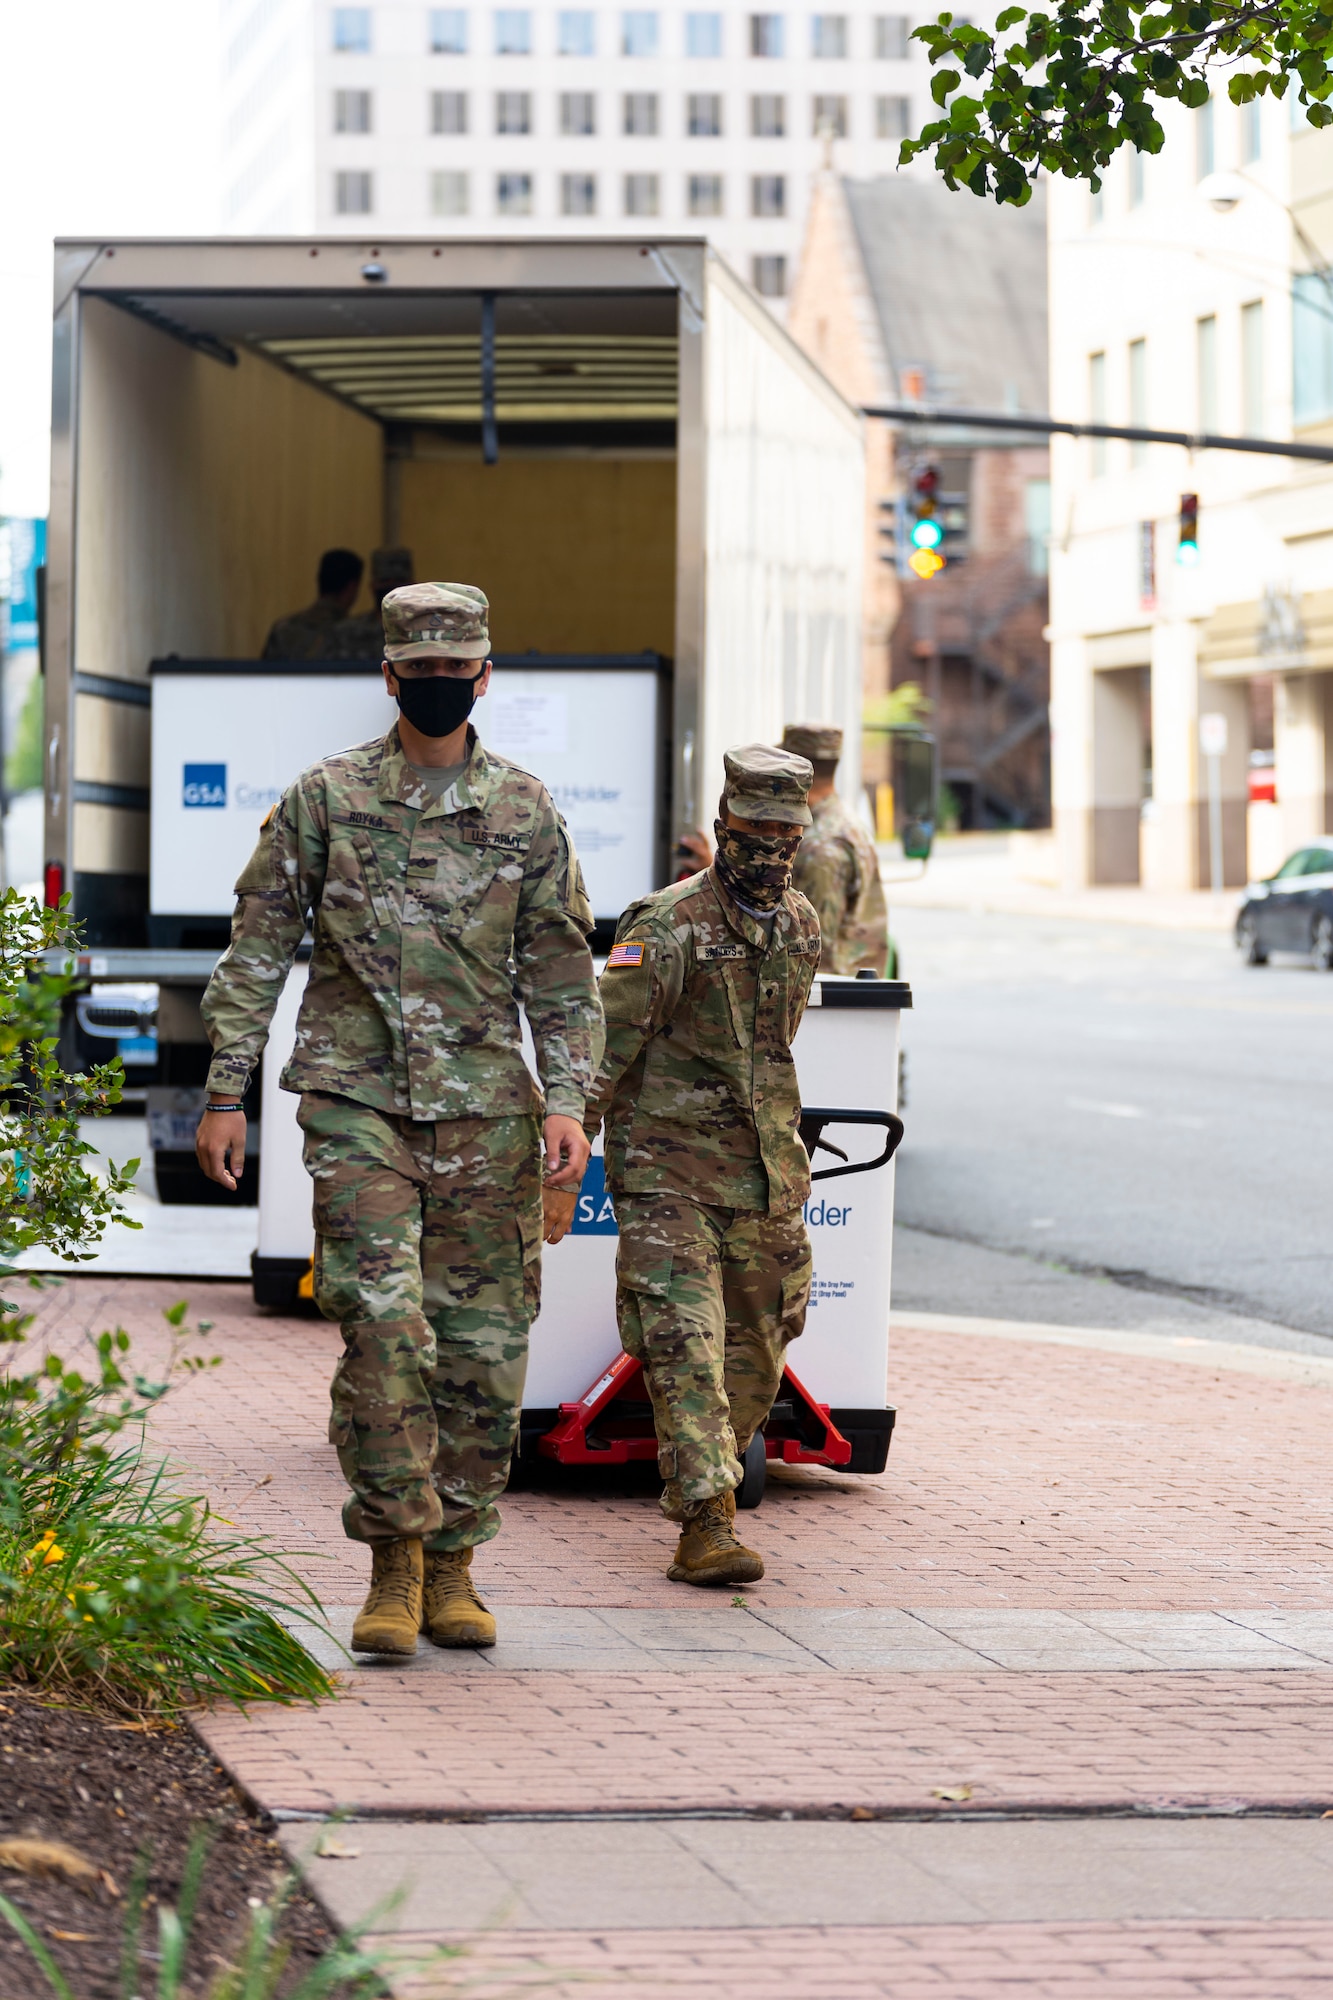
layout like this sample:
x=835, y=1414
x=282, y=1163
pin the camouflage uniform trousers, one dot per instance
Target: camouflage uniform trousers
x=428, y=1254
x=708, y=1299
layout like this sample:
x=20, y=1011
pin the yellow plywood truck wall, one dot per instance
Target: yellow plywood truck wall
x=577, y=554
x=206, y=495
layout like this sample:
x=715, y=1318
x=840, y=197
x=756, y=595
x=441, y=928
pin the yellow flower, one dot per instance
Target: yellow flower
x=46, y=1549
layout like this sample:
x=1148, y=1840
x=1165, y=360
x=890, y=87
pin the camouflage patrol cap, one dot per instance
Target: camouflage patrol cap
x=821, y=742
x=392, y=566
x=445, y=619
x=764, y=783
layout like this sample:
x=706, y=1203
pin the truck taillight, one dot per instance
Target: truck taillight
x=53, y=884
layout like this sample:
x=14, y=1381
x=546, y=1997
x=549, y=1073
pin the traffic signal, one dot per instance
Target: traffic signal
x=927, y=530
x=1187, y=550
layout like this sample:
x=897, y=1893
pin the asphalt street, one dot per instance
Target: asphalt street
x=1112, y=1125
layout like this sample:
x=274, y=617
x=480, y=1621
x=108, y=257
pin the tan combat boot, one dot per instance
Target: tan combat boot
x=453, y=1614
x=708, y=1551
x=390, y=1618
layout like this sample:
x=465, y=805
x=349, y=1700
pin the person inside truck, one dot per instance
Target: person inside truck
x=362, y=637
x=311, y=634
x=443, y=888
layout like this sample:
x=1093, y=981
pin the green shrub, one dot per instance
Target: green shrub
x=114, y=1587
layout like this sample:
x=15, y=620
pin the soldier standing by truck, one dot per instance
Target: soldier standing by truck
x=312, y=634
x=837, y=867
x=703, y=994
x=440, y=878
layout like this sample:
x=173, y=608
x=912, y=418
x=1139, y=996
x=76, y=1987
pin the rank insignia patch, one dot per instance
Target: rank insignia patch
x=630, y=953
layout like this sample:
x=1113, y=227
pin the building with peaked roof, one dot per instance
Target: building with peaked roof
x=909, y=293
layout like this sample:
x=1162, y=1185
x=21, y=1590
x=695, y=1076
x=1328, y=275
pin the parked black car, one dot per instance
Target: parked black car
x=1292, y=910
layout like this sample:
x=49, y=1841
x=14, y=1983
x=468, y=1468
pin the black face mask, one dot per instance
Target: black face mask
x=438, y=704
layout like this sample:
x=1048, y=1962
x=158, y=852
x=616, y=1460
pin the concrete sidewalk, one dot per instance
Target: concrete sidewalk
x=1014, y=875
x=1043, y=1709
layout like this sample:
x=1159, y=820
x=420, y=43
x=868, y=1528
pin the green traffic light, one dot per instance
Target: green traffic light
x=927, y=534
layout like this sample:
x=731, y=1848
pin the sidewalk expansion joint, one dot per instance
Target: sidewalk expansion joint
x=1038, y=1809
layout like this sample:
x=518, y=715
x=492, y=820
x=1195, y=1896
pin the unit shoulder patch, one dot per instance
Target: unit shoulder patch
x=629, y=953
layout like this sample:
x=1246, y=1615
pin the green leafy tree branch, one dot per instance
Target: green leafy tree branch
x=49, y=1194
x=1062, y=91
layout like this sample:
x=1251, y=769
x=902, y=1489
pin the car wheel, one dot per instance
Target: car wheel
x=1247, y=941
x=1321, y=944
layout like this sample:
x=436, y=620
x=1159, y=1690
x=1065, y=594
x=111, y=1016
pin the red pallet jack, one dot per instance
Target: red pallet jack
x=612, y=1424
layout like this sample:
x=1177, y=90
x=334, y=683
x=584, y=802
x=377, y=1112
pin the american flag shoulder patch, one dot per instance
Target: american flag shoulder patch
x=629, y=953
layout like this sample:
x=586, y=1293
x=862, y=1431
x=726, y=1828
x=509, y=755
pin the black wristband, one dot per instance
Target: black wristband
x=224, y=1107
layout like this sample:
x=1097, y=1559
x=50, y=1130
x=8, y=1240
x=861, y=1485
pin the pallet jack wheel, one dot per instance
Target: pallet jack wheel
x=754, y=1471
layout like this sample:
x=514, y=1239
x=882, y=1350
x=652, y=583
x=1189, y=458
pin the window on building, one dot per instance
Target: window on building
x=1205, y=343
x=828, y=37
x=641, y=194
x=830, y=118
x=768, y=194
x=638, y=114
x=1097, y=411
x=893, y=117
x=351, y=111
x=1037, y=522
x=1138, y=397
x=1136, y=178
x=766, y=38
x=1252, y=369
x=1251, y=132
x=578, y=194
x=703, y=115
x=351, y=31
x=448, y=111
x=703, y=36
x=513, y=194
x=768, y=117
x=513, y=32
x=1311, y=348
x=703, y=194
x=1204, y=141
x=578, y=114
x=353, y=193
x=513, y=113
x=576, y=35
x=891, y=32
x=768, y=275
x=638, y=34
x=449, y=193
x=448, y=31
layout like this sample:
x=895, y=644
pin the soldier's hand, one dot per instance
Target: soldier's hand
x=558, y=1205
x=567, y=1150
x=219, y=1146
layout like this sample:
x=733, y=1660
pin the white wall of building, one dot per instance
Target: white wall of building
x=1209, y=296
x=283, y=157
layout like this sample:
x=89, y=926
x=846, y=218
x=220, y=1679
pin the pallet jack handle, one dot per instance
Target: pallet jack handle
x=815, y=1117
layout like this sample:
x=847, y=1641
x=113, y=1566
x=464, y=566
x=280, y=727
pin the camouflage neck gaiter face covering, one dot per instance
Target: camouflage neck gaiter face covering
x=755, y=868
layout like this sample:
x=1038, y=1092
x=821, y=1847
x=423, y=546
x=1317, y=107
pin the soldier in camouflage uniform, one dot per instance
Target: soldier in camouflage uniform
x=312, y=634
x=703, y=993
x=440, y=879
x=361, y=638
x=837, y=867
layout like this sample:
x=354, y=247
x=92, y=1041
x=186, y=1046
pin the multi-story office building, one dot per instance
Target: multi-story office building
x=1193, y=293
x=543, y=118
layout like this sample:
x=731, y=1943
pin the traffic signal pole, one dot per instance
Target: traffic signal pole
x=997, y=420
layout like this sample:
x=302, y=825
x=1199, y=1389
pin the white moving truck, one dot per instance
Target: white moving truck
x=660, y=493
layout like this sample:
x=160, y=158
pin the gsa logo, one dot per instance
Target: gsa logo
x=204, y=785
x=594, y=1215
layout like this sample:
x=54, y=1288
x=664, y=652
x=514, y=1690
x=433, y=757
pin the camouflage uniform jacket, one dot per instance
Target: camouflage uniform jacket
x=837, y=868
x=360, y=638
x=428, y=914
x=311, y=634
x=697, y=1086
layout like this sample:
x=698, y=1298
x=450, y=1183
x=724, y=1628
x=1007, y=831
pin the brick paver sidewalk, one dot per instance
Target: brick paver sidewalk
x=1022, y=1476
